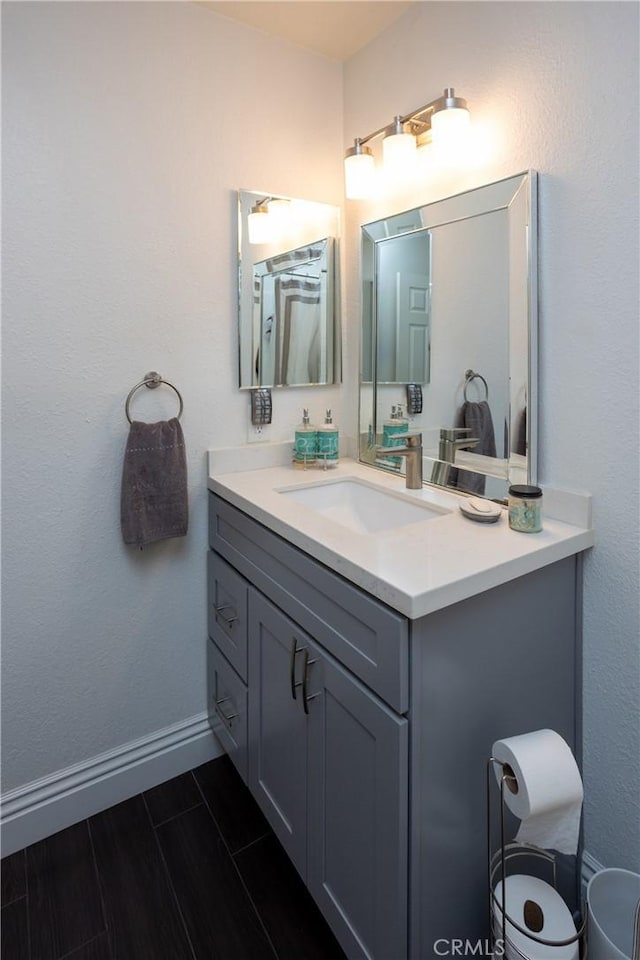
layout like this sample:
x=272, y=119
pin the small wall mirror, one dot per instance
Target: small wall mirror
x=449, y=298
x=289, y=331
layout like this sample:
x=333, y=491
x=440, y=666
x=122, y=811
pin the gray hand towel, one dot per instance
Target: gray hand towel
x=520, y=445
x=153, y=502
x=476, y=416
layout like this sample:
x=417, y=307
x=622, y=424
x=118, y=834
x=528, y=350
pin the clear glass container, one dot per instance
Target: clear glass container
x=305, y=443
x=525, y=508
x=327, y=442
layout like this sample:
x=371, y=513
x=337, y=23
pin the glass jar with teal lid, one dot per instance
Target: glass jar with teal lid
x=525, y=508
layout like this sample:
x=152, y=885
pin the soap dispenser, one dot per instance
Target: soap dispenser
x=305, y=447
x=402, y=420
x=328, y=442
x=393, y=431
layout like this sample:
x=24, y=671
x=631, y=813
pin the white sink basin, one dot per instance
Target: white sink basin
x=361, y=507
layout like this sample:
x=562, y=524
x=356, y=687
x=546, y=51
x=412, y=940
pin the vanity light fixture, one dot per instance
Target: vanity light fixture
x=259, y=223
x=398, y=146
x=443, y=122
x=267, y=219
x=279, y=208
x=359, y=171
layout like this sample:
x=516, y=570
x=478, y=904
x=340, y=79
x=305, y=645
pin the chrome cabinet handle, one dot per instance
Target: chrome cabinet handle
x=227, y=717
x=295, y=650
x=227, y=620
x=305, y=680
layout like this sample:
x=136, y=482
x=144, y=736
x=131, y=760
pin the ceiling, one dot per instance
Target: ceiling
x=335, y=28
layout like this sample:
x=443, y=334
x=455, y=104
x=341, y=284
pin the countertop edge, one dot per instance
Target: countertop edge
x=500, y=573
x=431, y=600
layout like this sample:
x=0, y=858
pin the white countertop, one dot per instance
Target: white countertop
x=415, y=569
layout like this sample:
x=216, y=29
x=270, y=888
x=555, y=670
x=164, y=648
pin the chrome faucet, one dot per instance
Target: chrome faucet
x=413, y=455
x=450, y=442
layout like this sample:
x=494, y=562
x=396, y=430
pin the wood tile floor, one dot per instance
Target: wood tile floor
x=187, y=871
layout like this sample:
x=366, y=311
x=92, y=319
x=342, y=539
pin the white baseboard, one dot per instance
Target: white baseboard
x=44, y=806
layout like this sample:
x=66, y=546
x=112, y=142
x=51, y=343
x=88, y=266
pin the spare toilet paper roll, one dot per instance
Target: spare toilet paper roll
x=549, y=789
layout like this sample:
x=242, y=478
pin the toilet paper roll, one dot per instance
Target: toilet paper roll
x=548, y=797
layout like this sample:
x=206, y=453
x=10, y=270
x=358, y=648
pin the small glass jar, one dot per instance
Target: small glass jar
x=525, y=508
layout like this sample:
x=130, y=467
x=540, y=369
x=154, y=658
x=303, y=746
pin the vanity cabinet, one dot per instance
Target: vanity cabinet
x=325, y=757
x=328, y=766
x=364, y=736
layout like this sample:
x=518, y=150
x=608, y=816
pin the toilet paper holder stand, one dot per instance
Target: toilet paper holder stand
x=497, y=862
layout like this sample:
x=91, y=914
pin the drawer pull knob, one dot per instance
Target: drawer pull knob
x=219, y=614
x=227, y=717
x=306, y=698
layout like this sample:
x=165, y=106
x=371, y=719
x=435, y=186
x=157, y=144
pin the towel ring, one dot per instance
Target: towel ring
x=470, y=375
x=151, y=380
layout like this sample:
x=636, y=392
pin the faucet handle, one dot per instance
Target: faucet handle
x=410, y=442
x=451, y=433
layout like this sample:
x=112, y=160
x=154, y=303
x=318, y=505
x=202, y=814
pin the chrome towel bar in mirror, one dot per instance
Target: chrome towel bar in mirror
x=470, y=375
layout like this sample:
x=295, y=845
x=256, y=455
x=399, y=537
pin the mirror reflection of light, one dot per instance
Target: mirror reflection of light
x=259, y=224
x=280, y=217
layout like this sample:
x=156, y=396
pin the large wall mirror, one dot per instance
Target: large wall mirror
x=289, y=331
x=449, y=304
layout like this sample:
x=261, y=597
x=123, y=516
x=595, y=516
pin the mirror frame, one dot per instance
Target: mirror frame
x=488, y=198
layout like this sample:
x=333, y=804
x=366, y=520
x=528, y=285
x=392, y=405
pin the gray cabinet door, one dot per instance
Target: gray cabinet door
x=332, y=781
x=277, y=725
x=358, y=812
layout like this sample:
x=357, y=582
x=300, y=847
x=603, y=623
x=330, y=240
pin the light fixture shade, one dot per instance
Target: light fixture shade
x=359, y=172
x=444, y=122
x=259, y=224
x=398, y=148
x=450, y=124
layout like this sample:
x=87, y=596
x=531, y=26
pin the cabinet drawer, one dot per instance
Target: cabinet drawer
x=227, y=708
x=369, y=638
x=227, y=613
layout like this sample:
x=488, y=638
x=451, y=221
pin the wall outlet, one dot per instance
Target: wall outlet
x=257, y=433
